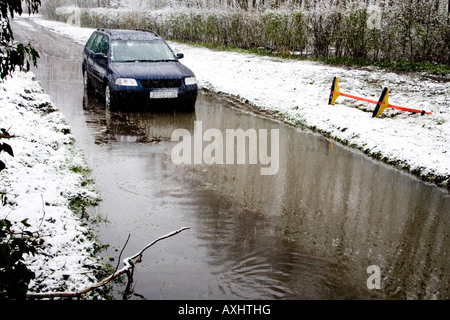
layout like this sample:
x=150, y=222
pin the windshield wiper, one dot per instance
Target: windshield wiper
x=146, y=60
x=159, y=60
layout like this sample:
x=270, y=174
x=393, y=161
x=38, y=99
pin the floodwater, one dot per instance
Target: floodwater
x=331, y=223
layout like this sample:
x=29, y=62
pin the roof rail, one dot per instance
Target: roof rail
x=104, y=30
x=145, y=30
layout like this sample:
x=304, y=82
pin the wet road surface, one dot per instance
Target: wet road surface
x=310, y=231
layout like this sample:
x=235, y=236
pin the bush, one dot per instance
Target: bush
x=411, y=31
x=15, y=276
x=15, y=242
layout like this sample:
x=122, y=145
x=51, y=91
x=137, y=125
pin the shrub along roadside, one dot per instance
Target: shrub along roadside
x=398, y=40
x=14, y=274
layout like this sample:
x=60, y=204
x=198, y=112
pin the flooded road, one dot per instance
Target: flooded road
x=330, y=224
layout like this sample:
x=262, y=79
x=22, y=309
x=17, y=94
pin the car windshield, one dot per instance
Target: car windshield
x=141, y=50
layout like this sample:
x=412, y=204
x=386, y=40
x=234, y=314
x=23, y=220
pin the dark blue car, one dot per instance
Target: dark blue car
x=137, y=68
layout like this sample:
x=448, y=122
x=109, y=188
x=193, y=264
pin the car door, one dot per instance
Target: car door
x=100, y=65
x=89, y=52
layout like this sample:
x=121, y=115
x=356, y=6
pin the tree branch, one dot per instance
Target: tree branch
x=128, y=262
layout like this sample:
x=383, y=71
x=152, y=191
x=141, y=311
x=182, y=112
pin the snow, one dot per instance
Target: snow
x=299, y=90
x=40, y=181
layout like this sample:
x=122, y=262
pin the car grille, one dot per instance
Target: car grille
x=161, y=83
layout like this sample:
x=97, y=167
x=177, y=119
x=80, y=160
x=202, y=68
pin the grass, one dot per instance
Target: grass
x=398, y=66
x=428, y=67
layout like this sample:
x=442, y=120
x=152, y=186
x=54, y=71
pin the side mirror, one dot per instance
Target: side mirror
x=180, y=55
x=100, y=56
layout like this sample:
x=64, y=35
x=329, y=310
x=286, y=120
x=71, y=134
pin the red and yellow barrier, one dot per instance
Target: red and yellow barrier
x=382, y=103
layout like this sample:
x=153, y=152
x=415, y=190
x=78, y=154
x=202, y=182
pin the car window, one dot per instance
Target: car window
x=96, y=43
x=140, y=50
x=103, y=46
x=91, y=40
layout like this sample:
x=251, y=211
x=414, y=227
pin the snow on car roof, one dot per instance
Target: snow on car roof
x=139, y=34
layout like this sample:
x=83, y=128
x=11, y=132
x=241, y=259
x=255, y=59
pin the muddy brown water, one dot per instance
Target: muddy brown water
x=311, y=231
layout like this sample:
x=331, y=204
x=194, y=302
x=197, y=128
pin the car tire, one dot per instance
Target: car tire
x=109, y=101
x=86, y=82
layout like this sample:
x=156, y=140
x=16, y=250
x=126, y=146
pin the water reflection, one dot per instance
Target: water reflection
x=337, y=208
x=133, y=127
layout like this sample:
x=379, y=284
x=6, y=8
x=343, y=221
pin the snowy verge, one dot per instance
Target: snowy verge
x=299, y=91
x=42, y=182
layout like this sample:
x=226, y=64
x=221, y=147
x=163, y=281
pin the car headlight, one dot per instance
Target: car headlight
x=190, y=81
x=126, y=82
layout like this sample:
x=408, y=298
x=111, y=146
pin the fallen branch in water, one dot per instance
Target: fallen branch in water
x=128, y=269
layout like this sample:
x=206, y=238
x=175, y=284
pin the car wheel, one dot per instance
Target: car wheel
x=86, y=82
x=108, y=98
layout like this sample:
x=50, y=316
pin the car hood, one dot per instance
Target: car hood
x=151, y=70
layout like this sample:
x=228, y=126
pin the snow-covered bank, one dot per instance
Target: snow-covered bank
x=299, y=91
x=42, y=181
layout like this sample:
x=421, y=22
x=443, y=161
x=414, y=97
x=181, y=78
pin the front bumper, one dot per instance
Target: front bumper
x=140, y=98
